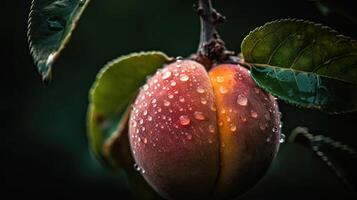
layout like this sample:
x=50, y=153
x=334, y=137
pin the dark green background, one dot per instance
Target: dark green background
x=43, y=144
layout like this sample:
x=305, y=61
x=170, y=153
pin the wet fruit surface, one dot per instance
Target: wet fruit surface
x=199, y=134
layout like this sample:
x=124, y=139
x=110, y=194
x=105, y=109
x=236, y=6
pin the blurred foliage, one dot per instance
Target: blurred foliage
x=44, y=145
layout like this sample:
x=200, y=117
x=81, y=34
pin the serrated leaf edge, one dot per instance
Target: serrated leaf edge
x=120, y=59
x=67, y=36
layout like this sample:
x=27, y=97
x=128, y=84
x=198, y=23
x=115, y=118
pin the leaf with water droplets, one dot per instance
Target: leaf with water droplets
x=50, y=25
x=304, y=63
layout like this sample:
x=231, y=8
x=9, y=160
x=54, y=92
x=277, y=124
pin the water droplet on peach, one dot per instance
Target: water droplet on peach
x=242, y=100
x=204, y=101
x=223, y=90
x=220, y=79
x=184, y=77
x=184, y=120
x=262, y=126
x=172, y=83
x=200, y=89
x=166, y=74
x=166, y=103
x=189, y=137
x=233, y=128
x=211, y=128
x=253, y=114
x=181, y=99
x=282, y=138
x=199, y=116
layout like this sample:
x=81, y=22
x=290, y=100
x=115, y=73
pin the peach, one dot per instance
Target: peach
x=195, y=134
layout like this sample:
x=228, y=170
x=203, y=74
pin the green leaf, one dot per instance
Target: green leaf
x=50, y=25
x=304, y=63
x=115, y=88
x=108, y=113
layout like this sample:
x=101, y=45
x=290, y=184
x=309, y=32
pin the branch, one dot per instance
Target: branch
x=211, y=47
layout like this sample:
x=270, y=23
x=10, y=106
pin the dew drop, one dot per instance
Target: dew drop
x=145, y=140
x=223, y=90
x=228, y=119
x=267, y=116
x=213, y=108
x=253, y=114
x=211, y=128
x=166, y=103
x=189, y=137
x=153, y=101
x=166, y=74
x=171, y=96
x=149, y=118
x=242, y=100
x=220, y=79
x=199, y=116
x=141, y=121
x=172, y=83
x=137, y=167
x=179, y=58
x=262, y=126
x=223, y=111
x=146, y=87
x=181, y=99
x=134, y=123
x=233, y=128
x=184, y=77
x=282, y=138
x=204, y=101
x=184, y=120
x=268, y=138
x=200, y=89
x=274, y=130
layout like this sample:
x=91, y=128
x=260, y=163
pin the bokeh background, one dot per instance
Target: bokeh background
x=43, y=143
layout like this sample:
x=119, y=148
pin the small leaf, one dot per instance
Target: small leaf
x=115, y=87
x=304, y=63
x=50, y=25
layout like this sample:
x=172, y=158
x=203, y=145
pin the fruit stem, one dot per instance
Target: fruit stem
x=211, y=48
